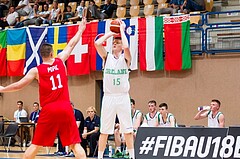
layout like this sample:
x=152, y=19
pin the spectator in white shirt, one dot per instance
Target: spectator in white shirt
x=23, y=8
x=20, y=112
x=11, y=19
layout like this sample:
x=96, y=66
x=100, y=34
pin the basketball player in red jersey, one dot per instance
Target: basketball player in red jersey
x=56, y=115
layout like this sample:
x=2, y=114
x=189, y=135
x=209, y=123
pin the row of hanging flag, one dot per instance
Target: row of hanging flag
x=156, y=43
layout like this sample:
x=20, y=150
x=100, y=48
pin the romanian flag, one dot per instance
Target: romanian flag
x=98, y=29
x=16, y=50
x=3, y=50
x=177, y=42
x=78, y=61
x=150, y=43
x=57, y=36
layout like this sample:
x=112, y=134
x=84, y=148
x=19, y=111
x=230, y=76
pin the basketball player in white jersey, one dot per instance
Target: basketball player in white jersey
x=116, y=99
x=151, y=118
x=165, y=118
x=119, y=138
x=215, y=117
x=137, y=118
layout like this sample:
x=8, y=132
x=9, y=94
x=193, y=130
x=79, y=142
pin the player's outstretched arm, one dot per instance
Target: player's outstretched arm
x=72, y=43
x=27, y=79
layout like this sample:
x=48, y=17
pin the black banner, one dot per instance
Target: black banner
x=152, y=143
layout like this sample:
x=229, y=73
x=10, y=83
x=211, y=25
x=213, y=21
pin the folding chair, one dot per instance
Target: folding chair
x=50, y=7
x=148, y=10
x=134, y=2
x=134, y=11
x=121, y=12
x=10, y=133
x=147, y=2
x=1, y=127
x=73, y=5
x=121, y=3
x=61, y=6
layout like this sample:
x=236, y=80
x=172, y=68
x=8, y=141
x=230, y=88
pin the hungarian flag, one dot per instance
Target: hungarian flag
x=150, y=43
x=3, y=50
x=78, y=61
x=177, y=43
x=16, y=51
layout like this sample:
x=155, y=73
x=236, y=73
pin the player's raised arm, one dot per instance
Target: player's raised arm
x=28, y=78
x=125, y=44
x=72, y=43
x=99, y=44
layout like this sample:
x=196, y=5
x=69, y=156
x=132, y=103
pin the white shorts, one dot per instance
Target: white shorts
x=113, y=105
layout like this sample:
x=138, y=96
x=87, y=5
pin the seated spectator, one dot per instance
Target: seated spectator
x=151, y=118
x=43, y=16
x=23, y=8
x=137, y=117
x=20, y=112
x=32, y=17
x=213, y=114
x=193, y=5
x=81, y=12
x=106, y=10
x=11, y=19
x=173, y=7
x=91, y=131
x=54, y=13
x=66, y=15
x=4, y=5
x=33, y=119
x=166, y=119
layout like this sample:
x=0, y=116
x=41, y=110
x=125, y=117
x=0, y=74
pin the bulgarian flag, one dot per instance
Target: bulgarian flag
x=177, y=42
x=150, y=43
x=3, y=51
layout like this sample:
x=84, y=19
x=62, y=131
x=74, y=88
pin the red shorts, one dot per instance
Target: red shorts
x=56, y=118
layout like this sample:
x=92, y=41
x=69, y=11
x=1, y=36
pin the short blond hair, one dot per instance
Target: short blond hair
x=91, y=108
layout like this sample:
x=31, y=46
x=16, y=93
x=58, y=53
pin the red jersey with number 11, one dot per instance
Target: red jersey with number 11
x=53, y=83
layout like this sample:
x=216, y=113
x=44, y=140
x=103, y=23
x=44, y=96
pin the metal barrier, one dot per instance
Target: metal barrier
x=197, y=40
x=222, y=18
x=217, y=32
x=222, y=39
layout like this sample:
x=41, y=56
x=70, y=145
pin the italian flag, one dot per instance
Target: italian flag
x=3, y=51
x=177, y=43
x=150, y=43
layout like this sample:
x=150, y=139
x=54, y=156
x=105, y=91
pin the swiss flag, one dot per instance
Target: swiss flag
x=78, y=62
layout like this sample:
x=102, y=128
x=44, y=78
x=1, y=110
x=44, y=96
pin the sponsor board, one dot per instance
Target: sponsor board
x=152, y=143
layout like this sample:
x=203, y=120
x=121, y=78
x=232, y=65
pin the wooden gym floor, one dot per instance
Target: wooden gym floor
x=16, y=153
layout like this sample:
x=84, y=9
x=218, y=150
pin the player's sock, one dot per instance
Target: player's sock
x=118, y=148
x=131, y=153
x=100, y=154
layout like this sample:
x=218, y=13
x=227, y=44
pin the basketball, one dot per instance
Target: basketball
x=115, y=26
